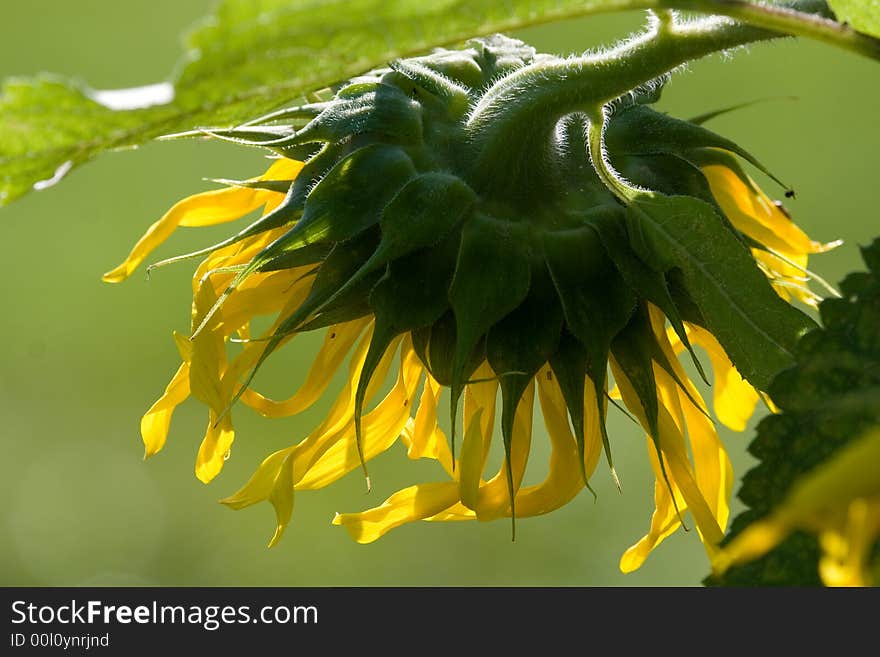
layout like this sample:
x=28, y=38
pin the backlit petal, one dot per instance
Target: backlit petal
x=381, y=428
x=564, y=479
x=494, y=499
x=751, y=212
x=205, y=209
x=338, y=341
x=157, y=420
x=427, y=440
x=214, y=449
x=413, y=503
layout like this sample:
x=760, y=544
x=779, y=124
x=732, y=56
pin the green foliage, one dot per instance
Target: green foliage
x=863, y=15
x=829, y=398
x=48, y=122
x=253, y=56
x=247, y=59
x=755, y=326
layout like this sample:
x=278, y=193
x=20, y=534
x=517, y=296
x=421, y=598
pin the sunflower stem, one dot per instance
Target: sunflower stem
x=513, y=126
x=615, y=183
x=665, y=19
x=806, y=18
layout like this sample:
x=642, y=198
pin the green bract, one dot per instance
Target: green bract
x=454, y=196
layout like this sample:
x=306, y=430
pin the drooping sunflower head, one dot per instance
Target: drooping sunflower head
x=448, y=208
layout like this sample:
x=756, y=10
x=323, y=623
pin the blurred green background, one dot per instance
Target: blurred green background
x=82, y=360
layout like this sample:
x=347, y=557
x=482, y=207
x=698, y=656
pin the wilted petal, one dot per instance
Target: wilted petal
x=205, y=209
x=157, y=420
x=414, y=503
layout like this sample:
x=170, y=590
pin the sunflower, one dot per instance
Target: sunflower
x=385, y=225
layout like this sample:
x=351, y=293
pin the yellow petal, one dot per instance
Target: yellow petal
x=281, y=498
x=664, y=522
x=712, y=467
x=157, y=420
x=470, y=468
x=211, y=380
x=272, y=481
x=846, y=554
x=338, y=341
x=752, y=213
x=265, y=294
x=564, y=478
x=427, y=440
x=204, y=375
x=494, y=496
x=214, y=449
x=381, y=427
x=330, y=452
x=735, y=398
x=592, y=430
x=259, y=486
x=210, y=270
x=454, y=513
x=341, y=412
x=479, y=399
x=410, y=504
x=674, y=451
x=204, y=369
x=250, y=355
x=283, y=169
x=205, y=209
x=206, y=354
x=787, y=279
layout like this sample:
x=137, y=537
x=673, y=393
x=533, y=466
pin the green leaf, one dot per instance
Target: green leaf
x=829, y=398
x=50, y=125
x=756, y=328
x=249, y=58
x=862, y=15
x=246, y=59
